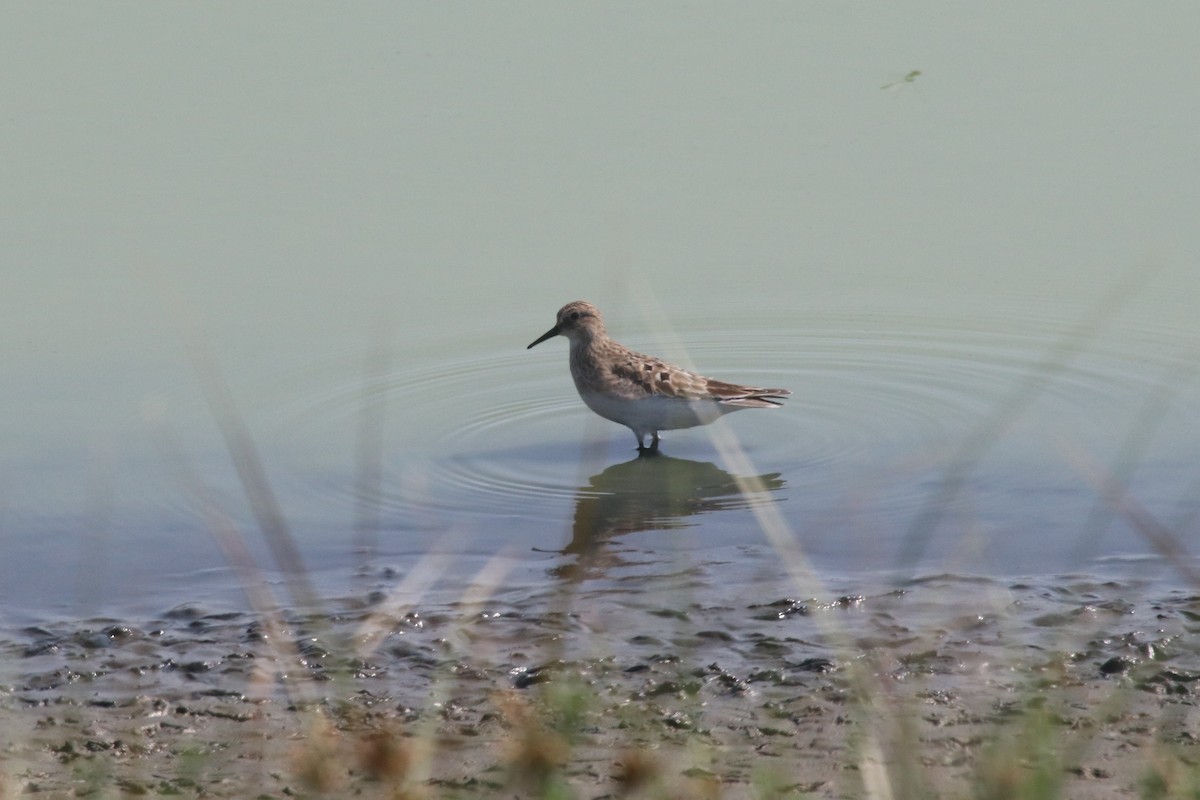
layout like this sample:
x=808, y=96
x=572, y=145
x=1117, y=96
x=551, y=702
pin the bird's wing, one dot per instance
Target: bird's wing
x=650, y=376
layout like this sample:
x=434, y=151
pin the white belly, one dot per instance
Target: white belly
x=655, y=413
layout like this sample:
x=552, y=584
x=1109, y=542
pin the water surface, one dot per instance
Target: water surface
x=979, y=283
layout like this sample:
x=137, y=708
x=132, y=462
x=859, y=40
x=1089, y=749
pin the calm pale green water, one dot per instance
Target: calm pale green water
x=976, y=281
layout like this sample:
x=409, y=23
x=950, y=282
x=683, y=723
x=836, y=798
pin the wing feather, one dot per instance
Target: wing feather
x=654, y=377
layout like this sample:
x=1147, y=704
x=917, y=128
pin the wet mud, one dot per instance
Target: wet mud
x=942, y=687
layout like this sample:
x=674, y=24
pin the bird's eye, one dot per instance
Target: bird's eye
x=574, y=315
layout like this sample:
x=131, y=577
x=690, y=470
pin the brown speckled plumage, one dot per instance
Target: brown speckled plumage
x=644, y=393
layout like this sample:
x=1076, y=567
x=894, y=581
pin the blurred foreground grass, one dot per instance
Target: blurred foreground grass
x=948, y=686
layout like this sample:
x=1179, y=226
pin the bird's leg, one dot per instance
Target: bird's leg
x=647, y=448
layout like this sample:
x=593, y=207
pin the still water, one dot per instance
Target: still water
x=980, y=283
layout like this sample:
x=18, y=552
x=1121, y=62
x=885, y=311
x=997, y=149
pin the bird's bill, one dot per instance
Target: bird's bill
x=550, y=334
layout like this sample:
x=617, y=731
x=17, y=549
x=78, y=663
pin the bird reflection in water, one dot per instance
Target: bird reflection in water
x=650, y=492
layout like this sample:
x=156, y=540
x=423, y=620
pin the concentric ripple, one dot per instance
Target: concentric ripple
x=502, y=435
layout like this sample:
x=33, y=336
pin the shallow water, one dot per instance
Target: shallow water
x=912, y=445
x=979, y=284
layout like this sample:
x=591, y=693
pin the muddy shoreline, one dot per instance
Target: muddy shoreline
x=951, y=685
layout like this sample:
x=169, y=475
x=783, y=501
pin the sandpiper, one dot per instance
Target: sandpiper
x=644, y=393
